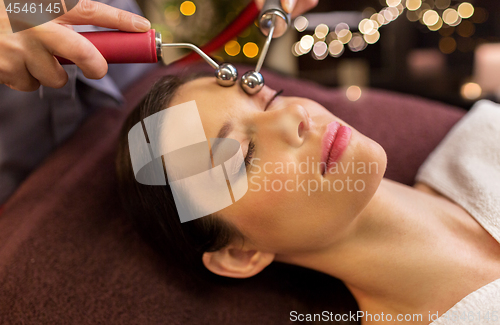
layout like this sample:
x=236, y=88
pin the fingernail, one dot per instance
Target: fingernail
x=289, y=5
x=141, y=23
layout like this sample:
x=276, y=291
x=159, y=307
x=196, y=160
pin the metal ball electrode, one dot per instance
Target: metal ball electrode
x=252, y=82
x=226, y=75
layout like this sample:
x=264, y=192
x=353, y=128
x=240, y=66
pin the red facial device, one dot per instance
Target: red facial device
x=122, y=47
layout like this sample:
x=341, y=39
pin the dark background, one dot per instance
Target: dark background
x=388, y=58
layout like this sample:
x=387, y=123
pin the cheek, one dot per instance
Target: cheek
x=270, y=215
x=287, y=212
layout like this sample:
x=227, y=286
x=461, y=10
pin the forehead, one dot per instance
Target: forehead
x=208, y=94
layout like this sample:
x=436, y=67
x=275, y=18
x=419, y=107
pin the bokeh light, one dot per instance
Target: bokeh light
x=447, y=45
x=245, y=33
x=413, y=4
x=344, y=36
x=369, y=11
x=466, y=29
x=320, y=50
x=471, y=91
x=301, y=23
x=232, y=48
x=451, y=17
x=336, y=48
x=442, y=4
x=171, y=13
x=372, y=38
x=330, y=37
x=388, y=15
x=378, y=18
x=447, y=31
x=321, y=31
x=423, y=8
x=353, y=93
x=167, y=37
x=465, y=10
x=306, y=43
x=296, y=51
x=430, y=17
x=437, y=15
x=188, y=8
x=393, y=3
x=341, y=27
x=437, y=26
x=480, y=16
x=367, y=26
x=412, y=15
x=394, y=11
x=250, y=50
x=400, y=8
x=357, y=43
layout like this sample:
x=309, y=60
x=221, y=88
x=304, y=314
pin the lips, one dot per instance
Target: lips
x=335, y=141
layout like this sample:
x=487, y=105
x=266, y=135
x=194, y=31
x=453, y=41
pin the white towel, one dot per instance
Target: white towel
x=465, y=167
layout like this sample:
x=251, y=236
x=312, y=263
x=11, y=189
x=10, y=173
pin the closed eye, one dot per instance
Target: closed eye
x=273, y=98
x=249, y=156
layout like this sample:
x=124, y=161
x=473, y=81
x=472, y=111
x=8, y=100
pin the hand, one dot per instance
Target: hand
x=295, y=7
x=27, y=57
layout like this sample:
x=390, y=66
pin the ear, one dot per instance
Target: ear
x=237, y=262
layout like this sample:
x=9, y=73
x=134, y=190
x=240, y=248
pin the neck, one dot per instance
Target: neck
x=399, y=252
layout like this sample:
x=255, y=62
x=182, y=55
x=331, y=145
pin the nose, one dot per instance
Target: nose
x=293, y=123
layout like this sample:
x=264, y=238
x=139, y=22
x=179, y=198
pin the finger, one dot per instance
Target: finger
x=23, y=81
x=259, y=4
x=89, y=12
x=303, y=6
x=44, y=67
x=288, y=5
x=66, y=43
x=13, y=72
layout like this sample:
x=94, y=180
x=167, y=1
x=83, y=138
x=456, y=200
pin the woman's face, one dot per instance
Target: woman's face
x=309, y=177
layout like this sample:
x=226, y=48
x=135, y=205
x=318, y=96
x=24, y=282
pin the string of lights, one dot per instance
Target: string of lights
x=434, y=14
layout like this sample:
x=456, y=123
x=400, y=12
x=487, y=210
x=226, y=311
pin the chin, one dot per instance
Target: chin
x=373, y=154
x=370, y=155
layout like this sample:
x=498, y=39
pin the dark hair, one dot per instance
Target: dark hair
x=152, y=208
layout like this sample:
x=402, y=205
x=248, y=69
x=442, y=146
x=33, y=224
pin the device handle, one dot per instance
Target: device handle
x=124, y=47
x=282, y=21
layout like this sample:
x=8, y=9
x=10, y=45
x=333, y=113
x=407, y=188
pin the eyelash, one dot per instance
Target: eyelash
x=249, y=156
x=251, y=145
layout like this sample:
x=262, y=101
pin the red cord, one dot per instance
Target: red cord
x=1, y=209
x=241, y=22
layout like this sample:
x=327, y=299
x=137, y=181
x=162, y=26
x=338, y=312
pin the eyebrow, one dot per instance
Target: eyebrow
x=226, y=128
